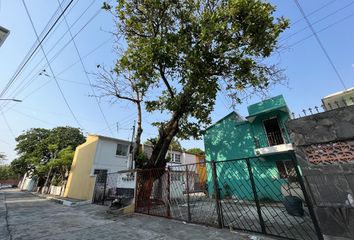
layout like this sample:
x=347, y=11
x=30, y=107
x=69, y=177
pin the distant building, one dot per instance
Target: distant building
x=339, y=99
x=106, y=162
x=180, y=164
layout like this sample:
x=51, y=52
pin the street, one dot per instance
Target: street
x=26, y=216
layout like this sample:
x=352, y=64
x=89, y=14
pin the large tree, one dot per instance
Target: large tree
x=38, y=148
x=187, y=50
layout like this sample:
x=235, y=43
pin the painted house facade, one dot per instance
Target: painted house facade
x=93, y=160
x=261, y=137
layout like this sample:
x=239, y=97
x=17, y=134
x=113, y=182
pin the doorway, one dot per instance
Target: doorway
x=273, y=131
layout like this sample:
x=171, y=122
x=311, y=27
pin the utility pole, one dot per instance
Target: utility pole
x=132, y=146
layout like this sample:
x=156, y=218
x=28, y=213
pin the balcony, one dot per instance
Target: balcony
x=271, y=142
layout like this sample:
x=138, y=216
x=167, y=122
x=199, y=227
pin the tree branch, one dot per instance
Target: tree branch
x=164, y=79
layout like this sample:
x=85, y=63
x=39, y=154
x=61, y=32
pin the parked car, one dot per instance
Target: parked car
x=5, y=186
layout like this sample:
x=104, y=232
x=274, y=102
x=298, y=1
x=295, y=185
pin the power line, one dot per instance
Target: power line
x=49, y=65
x=85, y=71
x=323, y=29
x=33, y=52
x=320, y=43
x=315, y=11
x=60, y=50
x=63, y=71
x=318, y=21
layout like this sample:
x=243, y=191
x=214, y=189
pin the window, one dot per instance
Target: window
x=286, y=169
x=177, y=158
x=174, y=157
x=101, y=175
x=122, y=150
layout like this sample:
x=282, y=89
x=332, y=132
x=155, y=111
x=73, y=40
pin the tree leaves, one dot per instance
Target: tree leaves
x=38, y=146
x=183, y=49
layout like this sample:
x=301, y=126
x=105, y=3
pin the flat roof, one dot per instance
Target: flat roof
x=340, y=93
x=110, y=138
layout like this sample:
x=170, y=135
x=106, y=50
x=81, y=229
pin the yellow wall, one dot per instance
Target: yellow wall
x=201, y=169
x=80, y=184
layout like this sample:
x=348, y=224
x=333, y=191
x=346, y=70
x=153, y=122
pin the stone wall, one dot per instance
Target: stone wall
x=324, y=147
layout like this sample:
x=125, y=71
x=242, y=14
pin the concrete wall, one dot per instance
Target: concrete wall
x=106, y=157
x=330, y=183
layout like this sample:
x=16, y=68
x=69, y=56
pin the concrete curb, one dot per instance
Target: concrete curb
x=61, y=201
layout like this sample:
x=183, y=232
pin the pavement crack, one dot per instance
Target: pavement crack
x=6, y=217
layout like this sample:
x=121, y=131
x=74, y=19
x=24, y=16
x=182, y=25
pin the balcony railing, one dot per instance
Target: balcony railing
x=270, y=139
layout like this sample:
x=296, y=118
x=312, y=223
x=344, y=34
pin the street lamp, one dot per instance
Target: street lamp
x=10, y=99
x=3, y=34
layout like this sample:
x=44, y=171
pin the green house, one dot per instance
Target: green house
x=262, y=138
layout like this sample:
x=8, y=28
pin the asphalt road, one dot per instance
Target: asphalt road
x=26, y=216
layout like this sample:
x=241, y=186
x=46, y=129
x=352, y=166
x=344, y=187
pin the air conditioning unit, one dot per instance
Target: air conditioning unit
x=3, y=34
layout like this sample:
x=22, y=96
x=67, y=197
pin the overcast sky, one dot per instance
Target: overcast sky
x=310, y=76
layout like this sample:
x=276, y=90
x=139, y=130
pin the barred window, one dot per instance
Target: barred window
x=101, y=175
x=286, y=169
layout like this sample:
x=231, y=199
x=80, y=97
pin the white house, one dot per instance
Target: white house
x=96, y=163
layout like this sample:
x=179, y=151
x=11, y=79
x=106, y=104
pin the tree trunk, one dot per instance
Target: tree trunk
x=47, y=182
x=139, y=131
x=158, y=156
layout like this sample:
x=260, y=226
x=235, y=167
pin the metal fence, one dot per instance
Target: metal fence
x=116, y=186
x=247, y=194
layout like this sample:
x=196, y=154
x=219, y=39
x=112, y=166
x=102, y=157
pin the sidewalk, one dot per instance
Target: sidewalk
x=33, y=218
x=62, y=200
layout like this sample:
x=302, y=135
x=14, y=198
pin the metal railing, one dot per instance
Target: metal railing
x=114, y=186
x=270, y=139
x=244, y=194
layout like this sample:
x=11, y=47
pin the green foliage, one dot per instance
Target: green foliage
x=19, y=166
x=174, y=145
x=196, y=151
x=64, y=159
x=57, y=181
x=141, y=159
x=189, y=50
x=7, y=173
x=40, y=149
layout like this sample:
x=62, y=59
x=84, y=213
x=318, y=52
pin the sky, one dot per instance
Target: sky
x=310, y=76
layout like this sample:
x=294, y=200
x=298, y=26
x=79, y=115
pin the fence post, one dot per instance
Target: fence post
x=104, y=188
x=261, y=221
x=136, y=191
x=168, y=207
x=187, y=191
x=307, y=199
x=217, y=194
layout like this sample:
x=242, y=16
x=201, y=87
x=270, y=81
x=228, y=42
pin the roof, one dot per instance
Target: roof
x=340, y=93
x=238, y=118
x=267, y=105
x=110, y=138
